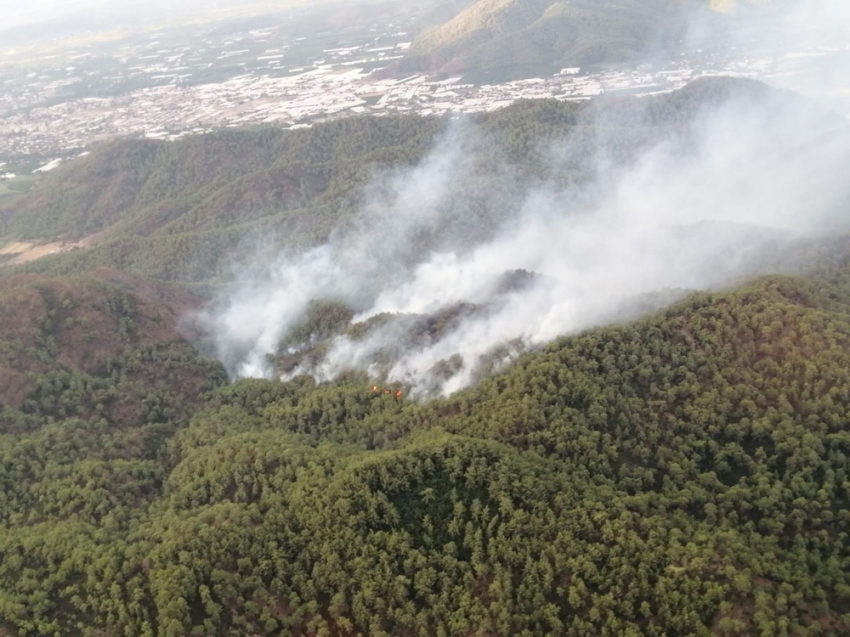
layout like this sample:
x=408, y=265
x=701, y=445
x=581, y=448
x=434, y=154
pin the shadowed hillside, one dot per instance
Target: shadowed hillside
x=102, y=347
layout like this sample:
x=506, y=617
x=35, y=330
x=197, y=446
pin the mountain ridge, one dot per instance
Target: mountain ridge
x=173, y=211
x=496, y=40
x=511, y=38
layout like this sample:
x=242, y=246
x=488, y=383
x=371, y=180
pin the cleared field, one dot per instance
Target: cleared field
x=17, y=185
x=18, y=252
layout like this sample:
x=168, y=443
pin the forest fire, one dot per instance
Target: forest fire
x=398, y=393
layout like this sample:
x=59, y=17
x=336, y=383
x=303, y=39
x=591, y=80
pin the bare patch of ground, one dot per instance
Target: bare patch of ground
x=19, y=252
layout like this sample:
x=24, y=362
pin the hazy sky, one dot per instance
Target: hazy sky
x=14, y=7
x=16, y=12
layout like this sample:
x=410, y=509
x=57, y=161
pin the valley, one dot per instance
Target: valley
x=169, y=85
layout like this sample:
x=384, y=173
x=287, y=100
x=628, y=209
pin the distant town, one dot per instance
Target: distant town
x=163, y=88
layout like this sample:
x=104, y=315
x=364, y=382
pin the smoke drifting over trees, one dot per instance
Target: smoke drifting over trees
x=727, y=177
x=685, y=474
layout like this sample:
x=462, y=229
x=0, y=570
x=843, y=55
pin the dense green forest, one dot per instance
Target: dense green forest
x=686, y=473
x=106, y=347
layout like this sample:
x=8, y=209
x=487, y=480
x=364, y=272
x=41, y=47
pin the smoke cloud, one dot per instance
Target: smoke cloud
x=437, y=302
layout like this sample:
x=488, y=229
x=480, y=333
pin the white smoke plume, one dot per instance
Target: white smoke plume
x=690, y=212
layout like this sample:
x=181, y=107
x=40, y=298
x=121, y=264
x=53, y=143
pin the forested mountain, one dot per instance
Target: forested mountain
x=685, y=473
x=172, y=211
x=497, y=39
x=104, y=347
x=184, y=211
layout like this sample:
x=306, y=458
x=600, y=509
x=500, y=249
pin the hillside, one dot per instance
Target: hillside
x=185, y=211
x=141, y=186
x=684, y=471
x=683, y=475
x=172, y=211
x=510, y=39
x=105, y=348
